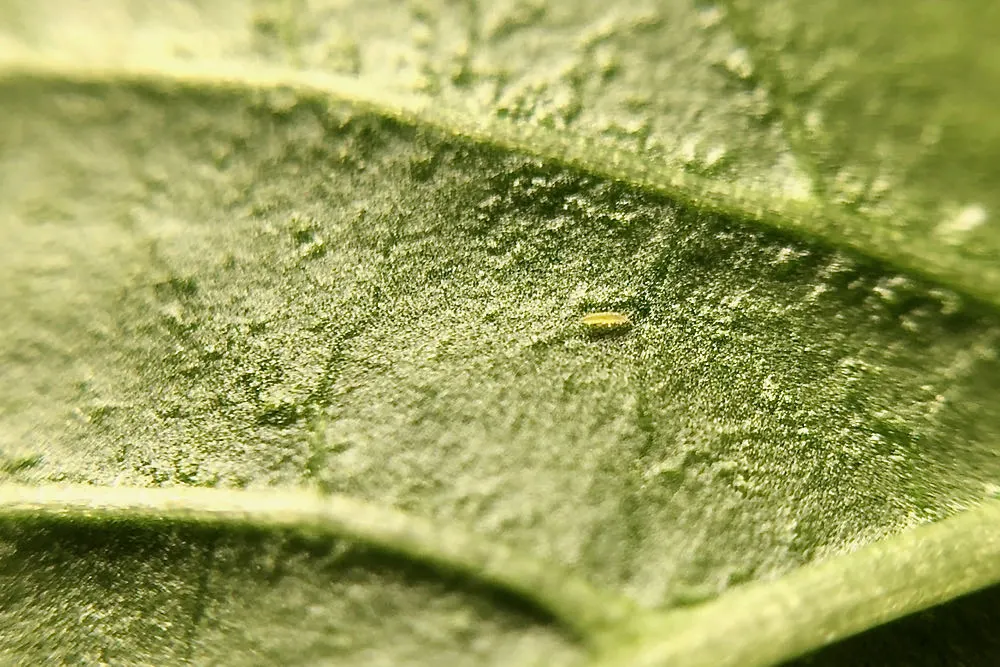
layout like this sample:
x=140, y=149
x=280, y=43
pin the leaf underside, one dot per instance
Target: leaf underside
x=214, y=276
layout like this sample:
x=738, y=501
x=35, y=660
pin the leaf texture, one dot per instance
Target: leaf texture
x=345, y=249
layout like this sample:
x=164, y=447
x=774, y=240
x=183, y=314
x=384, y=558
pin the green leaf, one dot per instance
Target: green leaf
x=892, y=107
x=331, y=262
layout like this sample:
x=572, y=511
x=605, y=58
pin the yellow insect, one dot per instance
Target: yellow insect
x=598, y=324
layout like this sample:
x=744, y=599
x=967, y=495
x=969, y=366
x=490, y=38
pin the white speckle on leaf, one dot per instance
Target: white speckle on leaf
x=711, y=16
x=966, y=219
x=738, y=62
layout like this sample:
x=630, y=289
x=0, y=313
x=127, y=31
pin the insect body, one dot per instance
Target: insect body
x=600, y=324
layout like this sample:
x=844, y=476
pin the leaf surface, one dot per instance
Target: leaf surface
x=245, y=247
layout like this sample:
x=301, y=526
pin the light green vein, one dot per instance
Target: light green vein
x=587, y=612
x=797, y=212
x=768, y=622
x=755, y=625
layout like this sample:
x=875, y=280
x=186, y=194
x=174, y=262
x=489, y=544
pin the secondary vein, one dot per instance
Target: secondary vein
x=799, y=213
x=586, y=611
